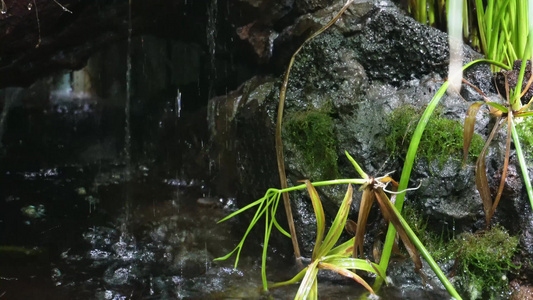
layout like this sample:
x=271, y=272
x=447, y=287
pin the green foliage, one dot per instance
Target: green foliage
x=484, y=261
x=443, y=137
x=312, y=133
x=525, y=131
x=437, y=244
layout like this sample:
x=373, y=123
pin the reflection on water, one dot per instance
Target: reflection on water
x=60, y=246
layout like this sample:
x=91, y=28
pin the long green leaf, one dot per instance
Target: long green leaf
x=344, y=250
x=257, y=202
x=356, y=166
x=293, y=280
x=353, y=264
x=346, y=273
x=320, y=217
x=523, y=164
x=498, y=106
x=338, y=224
x=308, y=281
x=524, y=114
x=425, y=253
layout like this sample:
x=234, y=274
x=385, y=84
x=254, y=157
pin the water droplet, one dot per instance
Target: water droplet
x=177, y=109
x=4, y=8
x=30, y=6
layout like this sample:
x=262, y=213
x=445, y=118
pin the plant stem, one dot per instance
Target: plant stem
x=412, y=236
x=523, y=164
x=323, y=183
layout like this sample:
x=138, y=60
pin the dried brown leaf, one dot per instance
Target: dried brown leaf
x=504, y=172
x=470, y=122
x=482, y=183
x=364, y=209
x=387, y=210
x=350, y=227
x=346, y=273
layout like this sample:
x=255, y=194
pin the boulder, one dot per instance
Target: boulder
x=344, y=89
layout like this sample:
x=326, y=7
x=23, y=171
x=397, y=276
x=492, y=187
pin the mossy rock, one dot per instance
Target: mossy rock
x=484, y=261
x=442, y=138
x=313, y=137
x=440, y=245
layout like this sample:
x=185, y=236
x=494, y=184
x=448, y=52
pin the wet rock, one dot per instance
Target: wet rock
x=355, y=81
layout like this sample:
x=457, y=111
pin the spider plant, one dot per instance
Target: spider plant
x=505, y=115
x=324, y=255
x=321, y=257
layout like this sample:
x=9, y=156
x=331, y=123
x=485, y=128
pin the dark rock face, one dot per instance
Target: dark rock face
x=397, y=48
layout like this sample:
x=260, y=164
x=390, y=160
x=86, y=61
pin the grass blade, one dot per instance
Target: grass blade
x=338, y=224
x=343, y=250
x=524, y=114
x=410, y=157
x=523, y=164
x=293, y=280
x=353, y=264
x=320, y=217
x=346, y=273
x=257, y=202
x=498, y=106
x=308, y=281
x=356, y=165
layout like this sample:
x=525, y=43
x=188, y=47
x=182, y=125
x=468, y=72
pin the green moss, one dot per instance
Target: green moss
x=438, y=245
x=525, y=132
x=442, y=138
x=312, y=133
x=484, y=261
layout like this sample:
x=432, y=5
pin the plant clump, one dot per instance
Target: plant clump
x=443, y=138
x=483, y=262
x=312, y=133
